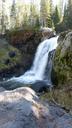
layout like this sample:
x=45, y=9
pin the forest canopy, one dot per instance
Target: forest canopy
x=34, y=15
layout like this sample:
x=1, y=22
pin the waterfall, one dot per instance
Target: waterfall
x=40, y=70
x=36, y=73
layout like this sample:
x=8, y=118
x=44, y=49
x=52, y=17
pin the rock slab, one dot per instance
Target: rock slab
x=22, y=108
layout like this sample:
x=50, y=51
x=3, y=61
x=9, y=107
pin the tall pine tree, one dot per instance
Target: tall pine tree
x=50, y=12
x=55, y=17
x=13, y=15
x=33, y=13
x=3, y=25
x=45, y=13
x=60, y=8
x=68, y=15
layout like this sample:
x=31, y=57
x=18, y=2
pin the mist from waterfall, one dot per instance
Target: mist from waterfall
x=37, y=70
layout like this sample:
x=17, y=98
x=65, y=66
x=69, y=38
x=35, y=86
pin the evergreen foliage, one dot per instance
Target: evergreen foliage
x=55, y=16
x=46, y=12
x=66, y=24
x=13, y=15
x=24, y=15
x=37, y=24
x=68, y=15
x=3, y=18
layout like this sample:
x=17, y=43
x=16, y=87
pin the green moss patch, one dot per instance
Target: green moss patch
x=5, y=60
x=61, y=97
x=63, y=62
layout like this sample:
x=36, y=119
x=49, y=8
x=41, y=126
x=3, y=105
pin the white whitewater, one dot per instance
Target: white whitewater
x=36, y=73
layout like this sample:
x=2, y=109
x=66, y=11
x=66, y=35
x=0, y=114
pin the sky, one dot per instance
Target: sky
x=9, y=2
x=27, y=1
x=38, y=1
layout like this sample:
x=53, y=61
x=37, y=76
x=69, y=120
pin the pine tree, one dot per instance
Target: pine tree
x=65, y=13
x=60, y=7
x=13, y=15
x=4, y=17
x=25, y=16
x=55, y=17
x=45, y=13
x=51, y=6
x=67, y=19
x=0, y=21
x=37, y=24
x=3, y=26
x=50, y=12
x=33, y=14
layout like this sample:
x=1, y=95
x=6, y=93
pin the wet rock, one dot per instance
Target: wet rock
x=12, y=54
x=2, y=89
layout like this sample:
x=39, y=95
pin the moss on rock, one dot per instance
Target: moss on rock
x=7, y=62
x=62, y=97
x=63, y=61
x=62, y=73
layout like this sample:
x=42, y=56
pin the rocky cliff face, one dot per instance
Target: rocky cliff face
x=26, y=41
x=22, y=45
x=62, y=71
x=10, y=58
x=63, y=61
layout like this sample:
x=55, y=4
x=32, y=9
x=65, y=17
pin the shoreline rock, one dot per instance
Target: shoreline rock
x=22, y=108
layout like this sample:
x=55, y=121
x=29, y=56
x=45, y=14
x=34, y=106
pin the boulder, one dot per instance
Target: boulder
x=2, y=89
x=22, y=108
x=12, y=54
x=62, y=64
x=47, y=33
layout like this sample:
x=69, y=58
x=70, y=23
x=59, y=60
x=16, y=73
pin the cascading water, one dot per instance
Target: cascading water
x=37, y=71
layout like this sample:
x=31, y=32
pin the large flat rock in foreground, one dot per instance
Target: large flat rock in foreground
x=22, y=108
